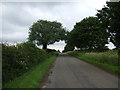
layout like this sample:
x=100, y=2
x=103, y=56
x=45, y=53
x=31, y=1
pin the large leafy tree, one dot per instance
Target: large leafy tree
x=88, y=34
x=109, y=16
x=45, y=32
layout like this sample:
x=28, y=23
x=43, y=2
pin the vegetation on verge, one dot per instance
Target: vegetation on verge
x=107, y=60
x=16, y=60
x=32, y=78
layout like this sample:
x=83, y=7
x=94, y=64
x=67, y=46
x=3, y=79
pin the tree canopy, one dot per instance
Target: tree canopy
x=70, y=43
x=109, y=17
x=88, y=34
x=45, y=32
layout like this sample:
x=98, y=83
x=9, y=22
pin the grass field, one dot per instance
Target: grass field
x=32, y=78
x=106, y=60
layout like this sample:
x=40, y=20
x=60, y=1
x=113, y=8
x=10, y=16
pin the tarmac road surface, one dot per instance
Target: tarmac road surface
x=70, y=72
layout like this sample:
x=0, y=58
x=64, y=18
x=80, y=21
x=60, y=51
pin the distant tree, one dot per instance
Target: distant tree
x=110, y=19
x=68, y=47
x=88, y=34
x=45, y=32
x=69, y=43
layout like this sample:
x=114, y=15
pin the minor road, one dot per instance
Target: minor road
x=69, y=72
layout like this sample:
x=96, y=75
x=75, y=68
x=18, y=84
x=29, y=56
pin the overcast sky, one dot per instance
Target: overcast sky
x=18, y=17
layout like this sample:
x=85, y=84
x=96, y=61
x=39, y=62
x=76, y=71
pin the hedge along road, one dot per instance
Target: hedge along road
x=69, y=72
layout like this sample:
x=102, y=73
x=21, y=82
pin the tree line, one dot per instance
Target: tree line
x=90, y=34
x=93, y=33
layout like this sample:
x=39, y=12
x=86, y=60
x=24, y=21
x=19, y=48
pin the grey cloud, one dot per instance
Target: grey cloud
x=15, y=37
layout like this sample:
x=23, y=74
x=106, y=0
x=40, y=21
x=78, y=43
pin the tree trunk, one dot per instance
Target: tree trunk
x=44, y=46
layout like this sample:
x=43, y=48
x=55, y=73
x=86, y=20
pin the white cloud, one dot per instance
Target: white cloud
x=58, y=46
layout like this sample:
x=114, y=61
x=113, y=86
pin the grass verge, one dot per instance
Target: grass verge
x=32, y=78
x=105, y=60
